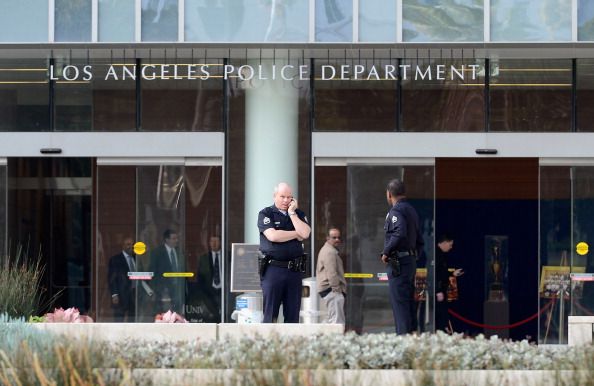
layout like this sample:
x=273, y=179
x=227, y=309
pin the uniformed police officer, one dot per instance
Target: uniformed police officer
x=282, y=227
x=402, y=244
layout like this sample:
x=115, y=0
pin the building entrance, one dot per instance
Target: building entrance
x=490, y=207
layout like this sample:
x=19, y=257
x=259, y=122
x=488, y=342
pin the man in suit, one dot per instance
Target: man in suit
x=209, y=280
x=122, y=289
x=166, y=258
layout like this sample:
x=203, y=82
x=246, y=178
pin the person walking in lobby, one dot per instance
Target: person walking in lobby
x=330, y=277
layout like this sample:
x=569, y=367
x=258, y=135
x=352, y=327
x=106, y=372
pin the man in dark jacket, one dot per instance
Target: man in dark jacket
x=445, y=243
x=122, y=289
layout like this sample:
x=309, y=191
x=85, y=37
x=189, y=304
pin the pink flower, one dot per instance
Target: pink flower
x=71, y=315
x=170, y=317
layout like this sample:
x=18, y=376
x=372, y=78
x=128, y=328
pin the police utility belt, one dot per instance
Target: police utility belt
x=298, y=264
x=394, y=260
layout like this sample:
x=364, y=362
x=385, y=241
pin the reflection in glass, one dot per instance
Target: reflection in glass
x=585, y=95
x=159, y=21
x=555, y=248
x=362, y=104
x=12, y=25
x=585, y=20
x=530, y=95
x=528, y=20
x=143, y=203
x=72, y=21
x=367, y=306
x=442, y=20
x=3, y=215
x=246, y=21
x=116, y=21
x=439, y=97
x=183, y=105
x=24, y=95
x=334, y=20
x=51, y=216
x=98, y=104
x=377, y=21
x=583, y=229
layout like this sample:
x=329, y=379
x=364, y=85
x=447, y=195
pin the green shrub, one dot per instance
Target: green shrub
x=20, y=285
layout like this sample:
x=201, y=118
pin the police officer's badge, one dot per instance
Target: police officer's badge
x=266, y=221
x=394, y=219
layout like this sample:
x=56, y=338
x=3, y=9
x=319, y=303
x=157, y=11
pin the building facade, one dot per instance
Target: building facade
x=125, y=118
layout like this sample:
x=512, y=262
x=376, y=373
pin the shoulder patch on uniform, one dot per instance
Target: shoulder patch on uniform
x=266, y=221
x=394, y=219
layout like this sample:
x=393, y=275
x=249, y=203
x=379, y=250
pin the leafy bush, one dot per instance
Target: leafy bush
x=20, y=288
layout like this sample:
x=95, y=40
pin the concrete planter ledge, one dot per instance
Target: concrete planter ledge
x=234, y=377
x=236, y=331
x=172, y=332
x=169, y=332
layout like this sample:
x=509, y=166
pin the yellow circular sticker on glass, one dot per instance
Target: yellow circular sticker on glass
x=139, y=248
x=581, y=248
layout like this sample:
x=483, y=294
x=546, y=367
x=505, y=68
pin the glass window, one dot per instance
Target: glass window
x=365, y=101
x=159, y=21
x=585, y=20
x=585, y=95
x=97, y=103
x=72, y=21
x=116, y=21
x=246, y=21
x=3, y=214
x=182, y=104
x=377, y=21
x=528, y=20
x=582, y=292
x=24, y=21
x=24, y=95
x=334, y=20
x=530, y=95
x=50, y=215
x=453, y=103
x=140, y=203
x=442, y=20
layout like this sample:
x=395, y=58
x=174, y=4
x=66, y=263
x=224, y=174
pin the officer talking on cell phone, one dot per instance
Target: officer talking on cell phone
x=283, y=227
x=402, y=244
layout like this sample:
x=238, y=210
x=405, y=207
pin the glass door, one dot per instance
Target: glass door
x=352, y=198
x=50, y=216
x=171, y=213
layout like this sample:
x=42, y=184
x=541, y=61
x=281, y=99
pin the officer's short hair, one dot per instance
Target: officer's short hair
x=396, y=188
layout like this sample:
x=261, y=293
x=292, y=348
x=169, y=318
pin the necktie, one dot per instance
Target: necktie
x=216, y=275
x=173, y=258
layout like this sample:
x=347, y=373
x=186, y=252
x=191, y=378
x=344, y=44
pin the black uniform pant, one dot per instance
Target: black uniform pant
x=402, y=290
x=281, y=285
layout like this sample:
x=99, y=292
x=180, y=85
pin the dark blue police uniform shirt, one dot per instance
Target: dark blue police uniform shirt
x=271, y=217
x=403, y=232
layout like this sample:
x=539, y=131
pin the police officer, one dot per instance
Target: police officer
x=402, y=244
x=282, y=227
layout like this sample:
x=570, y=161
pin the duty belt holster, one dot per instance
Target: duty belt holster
x=394, y=263
x=299, y=264
x=263, y=262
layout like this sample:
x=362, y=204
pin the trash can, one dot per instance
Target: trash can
x=310, y=312
x=248, y=308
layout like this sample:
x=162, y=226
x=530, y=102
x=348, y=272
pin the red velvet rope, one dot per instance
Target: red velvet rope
x=503, y=327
